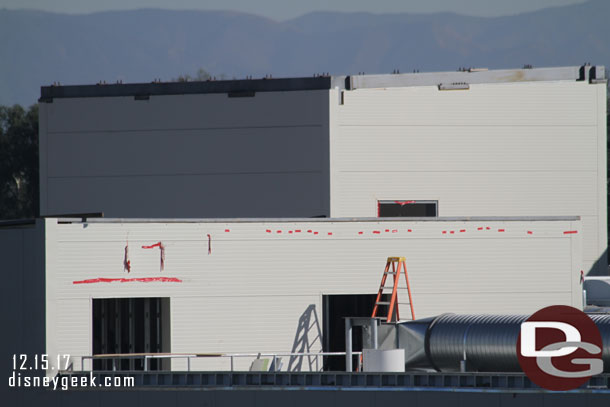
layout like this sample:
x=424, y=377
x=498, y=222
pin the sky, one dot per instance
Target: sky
x=286, y=9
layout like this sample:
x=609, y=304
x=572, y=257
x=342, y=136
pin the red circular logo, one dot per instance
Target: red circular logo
x=560, y=348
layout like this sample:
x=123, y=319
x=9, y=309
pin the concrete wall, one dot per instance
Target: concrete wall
x=504, y=149
x=181, y=156
x=261, y=279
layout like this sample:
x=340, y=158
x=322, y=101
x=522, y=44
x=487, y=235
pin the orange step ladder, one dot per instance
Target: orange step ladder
x=396, y=264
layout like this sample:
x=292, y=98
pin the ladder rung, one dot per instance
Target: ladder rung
x=389, y=288
x=383, y=303
x=389, y=272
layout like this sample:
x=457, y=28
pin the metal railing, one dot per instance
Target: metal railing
x=147, y=357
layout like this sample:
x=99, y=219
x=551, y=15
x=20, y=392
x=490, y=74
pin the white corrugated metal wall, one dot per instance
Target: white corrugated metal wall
x=505, y=149
x=248, y=293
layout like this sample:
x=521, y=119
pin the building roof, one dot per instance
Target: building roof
x=247, y=87
x=317, y=220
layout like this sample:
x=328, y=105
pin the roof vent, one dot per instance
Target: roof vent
x=454, y=86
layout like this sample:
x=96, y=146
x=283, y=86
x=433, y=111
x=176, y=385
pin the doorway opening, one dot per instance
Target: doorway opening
x=335, y=308
x=131, y=325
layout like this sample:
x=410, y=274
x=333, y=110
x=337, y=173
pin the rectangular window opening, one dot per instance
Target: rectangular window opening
x=407, y=209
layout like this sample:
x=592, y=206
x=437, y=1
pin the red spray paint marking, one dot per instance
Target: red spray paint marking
x=268, y=230
x=500, y=230
x=126, y=261
x=279, y=231
x=161, y=250
x=394, y=230
x=570, y=232
x=462, y=230
x=309, y=231
x=410, y=230
x=488, y=228
x=152, y=246
x=402, y=203
x=209, y=244
x=360, y=232
x=297, y=231
x=130, y=280
x=227, y=230
x=376, y=232
x=444, y=232
x=452, y=232
x=480, y=228
x=387, y=230
x=315, y=233
x=529, y=232
x=290, y=232
x=330, y=233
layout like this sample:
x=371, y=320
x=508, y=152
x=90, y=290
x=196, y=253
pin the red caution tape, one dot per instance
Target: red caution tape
x=130, y=280
x=402, y=203
x=570, y=232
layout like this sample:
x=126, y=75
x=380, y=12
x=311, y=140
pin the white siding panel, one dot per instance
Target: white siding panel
x=250, y=291
x=466, y=148
x=510, y=149
x=505, y=104
x=470, y=193
x=245, y=324
x=71, y=333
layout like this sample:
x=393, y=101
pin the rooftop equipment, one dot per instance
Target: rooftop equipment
x=454, y=343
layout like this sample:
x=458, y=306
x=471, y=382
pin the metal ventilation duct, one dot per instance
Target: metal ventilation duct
x=488, y=343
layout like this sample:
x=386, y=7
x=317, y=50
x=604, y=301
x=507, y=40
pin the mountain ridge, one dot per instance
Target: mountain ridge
x=141, y=45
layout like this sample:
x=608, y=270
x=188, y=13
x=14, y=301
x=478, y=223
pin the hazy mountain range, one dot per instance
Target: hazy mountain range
x=38, y=48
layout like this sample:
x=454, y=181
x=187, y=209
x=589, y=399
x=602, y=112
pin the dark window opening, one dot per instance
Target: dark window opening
x=409, y=209
x=130, y=325
x=335, y=308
